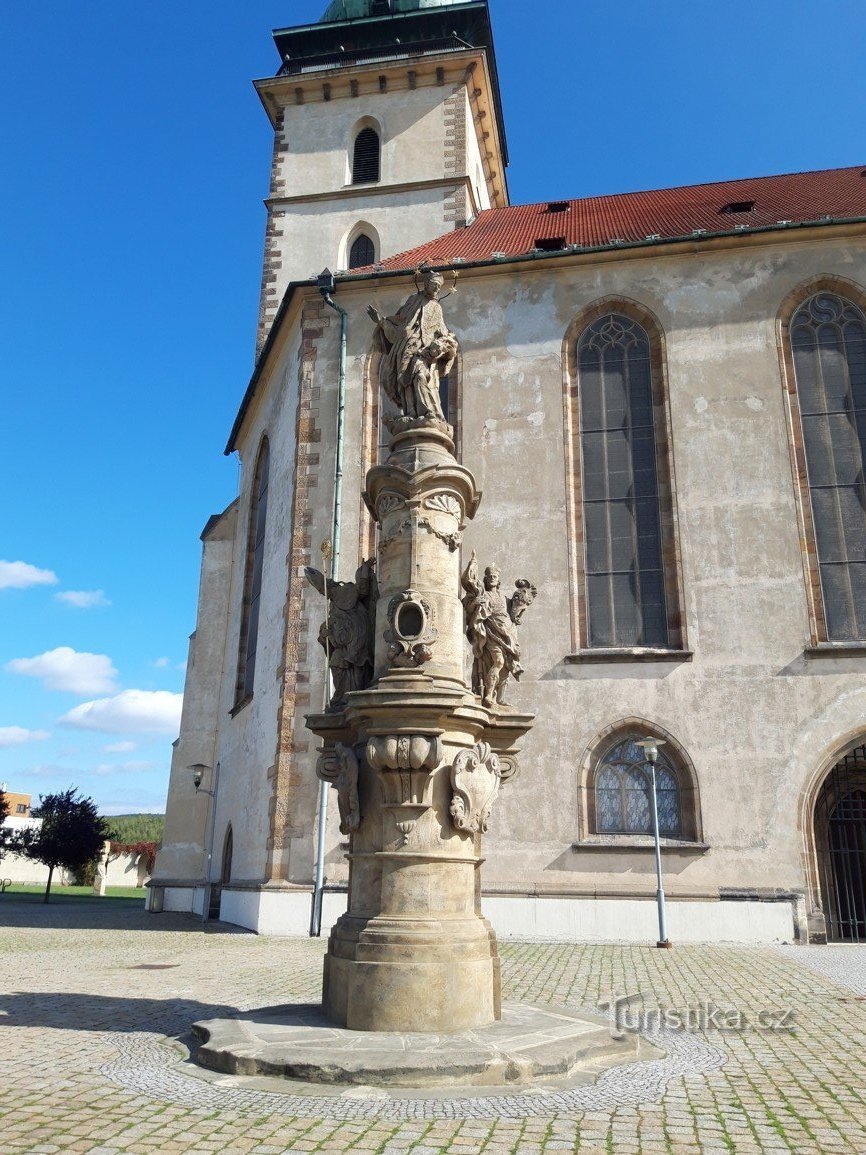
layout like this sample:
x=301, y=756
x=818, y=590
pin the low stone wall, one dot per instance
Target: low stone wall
x=126, y=870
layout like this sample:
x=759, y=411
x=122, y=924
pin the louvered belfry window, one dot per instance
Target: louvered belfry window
x=625, y=580
x=362, y=252
x=249, y=635
x=828, y=345
x=365, y=158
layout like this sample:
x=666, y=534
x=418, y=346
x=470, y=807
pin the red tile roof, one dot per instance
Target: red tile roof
x=838, y=193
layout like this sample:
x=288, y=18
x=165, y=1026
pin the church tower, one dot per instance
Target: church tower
x=388, y=132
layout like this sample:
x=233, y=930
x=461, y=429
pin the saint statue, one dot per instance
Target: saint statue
x=418, y=350
x=347, y=633
x=491, y=627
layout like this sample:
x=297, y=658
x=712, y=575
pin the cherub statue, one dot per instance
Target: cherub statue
x=347, y=633
x=491, y=627
x=418, y=349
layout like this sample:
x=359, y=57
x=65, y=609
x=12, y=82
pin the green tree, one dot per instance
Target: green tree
x=138, y=827
x=71, y=833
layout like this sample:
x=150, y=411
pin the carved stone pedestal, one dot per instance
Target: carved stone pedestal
x=417, y=761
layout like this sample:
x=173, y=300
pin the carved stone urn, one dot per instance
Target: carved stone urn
x=418, y=762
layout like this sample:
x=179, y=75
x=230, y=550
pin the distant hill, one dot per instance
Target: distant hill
x=132, y=828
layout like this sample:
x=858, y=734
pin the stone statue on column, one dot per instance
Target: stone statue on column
x=491, y=627
x=418, y=350
x=347, y=632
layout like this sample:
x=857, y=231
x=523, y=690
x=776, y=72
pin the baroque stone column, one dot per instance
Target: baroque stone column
x=417, y=759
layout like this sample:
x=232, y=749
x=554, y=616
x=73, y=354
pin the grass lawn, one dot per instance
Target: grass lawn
x=21, y=892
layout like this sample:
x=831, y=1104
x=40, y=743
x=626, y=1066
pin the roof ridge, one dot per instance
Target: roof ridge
x=676, y=188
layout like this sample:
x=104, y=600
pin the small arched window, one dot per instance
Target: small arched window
x=623, y=792
x=625, y=581
x=828, y=349
x=249, y=634
x=362, y=252
x=365, y=157
x=228, y=849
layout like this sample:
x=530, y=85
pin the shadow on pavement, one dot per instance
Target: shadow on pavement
x=107, y=914
x=85, y=1012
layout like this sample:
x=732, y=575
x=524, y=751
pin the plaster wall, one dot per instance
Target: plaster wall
x=320, y=137
x=755, y=716
x=246, y=741
x=187, y=812
x=474, y=161
x=316, y=234
x=428, y=183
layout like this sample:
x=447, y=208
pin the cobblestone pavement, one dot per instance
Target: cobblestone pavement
x=91, y=1001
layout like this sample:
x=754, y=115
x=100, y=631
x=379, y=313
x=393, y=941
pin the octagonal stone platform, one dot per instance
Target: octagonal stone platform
x=529, y=1044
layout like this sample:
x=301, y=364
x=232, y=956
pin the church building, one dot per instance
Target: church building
x=662, y=396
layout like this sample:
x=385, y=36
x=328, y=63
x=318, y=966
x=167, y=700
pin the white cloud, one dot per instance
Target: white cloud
x=122, y=767
x=67, y=669
x=83, y=599
x=19, y=575
x=161, y=663
x=48, y=770
x=118, y=748
x=131, y=711
x=17, y=735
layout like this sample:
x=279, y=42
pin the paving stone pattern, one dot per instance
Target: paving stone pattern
x=91, y=1001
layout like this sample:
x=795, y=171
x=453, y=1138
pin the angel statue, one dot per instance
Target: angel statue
x=491, y=627
x=418, y=350
x=347, y=633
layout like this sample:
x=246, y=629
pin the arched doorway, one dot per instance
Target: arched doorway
x=840, y=845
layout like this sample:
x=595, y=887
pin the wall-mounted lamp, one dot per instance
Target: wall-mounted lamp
x=198, y=769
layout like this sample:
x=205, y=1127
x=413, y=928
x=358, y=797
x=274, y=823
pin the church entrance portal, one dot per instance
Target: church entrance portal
x=840, y=842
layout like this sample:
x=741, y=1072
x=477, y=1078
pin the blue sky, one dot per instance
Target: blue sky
x=136, y=156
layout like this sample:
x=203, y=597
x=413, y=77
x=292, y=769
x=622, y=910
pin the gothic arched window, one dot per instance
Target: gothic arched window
x=365, y=157
x=623, y=792
x=827, y=337
x=625, y=585
x=249, y=634
x=362, y=252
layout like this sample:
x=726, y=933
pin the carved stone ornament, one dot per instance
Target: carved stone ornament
x=475, y=778
x=411, y=632
x=405, y=763
x=339, y=767
x=452, y=540
x=386, y=503
x=405, y=752
x=444, y=503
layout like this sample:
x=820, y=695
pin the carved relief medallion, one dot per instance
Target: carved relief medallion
x=411, y=632
x=475, y=778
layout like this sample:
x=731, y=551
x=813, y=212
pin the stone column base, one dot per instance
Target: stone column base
x=433, y=975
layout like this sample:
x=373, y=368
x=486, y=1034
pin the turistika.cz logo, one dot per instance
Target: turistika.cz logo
x=630, y=1013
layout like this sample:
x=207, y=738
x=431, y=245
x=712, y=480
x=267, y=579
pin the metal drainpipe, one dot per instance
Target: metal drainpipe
x=326, y=287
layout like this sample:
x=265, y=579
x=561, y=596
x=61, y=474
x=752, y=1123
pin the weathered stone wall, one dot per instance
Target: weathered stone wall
x=755, y=718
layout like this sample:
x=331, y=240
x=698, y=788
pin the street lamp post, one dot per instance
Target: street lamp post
x=650, y=747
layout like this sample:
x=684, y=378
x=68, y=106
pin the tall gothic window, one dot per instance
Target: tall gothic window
x=362, y=252
x=365, y=157
x=625, y=587
x=249, y=635
x=828, y=347
x=623, y=792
